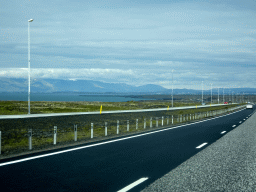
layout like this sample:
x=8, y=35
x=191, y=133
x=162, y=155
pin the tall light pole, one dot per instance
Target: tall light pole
x=211, y=93
x=229, y=95
x=172, y=88
x=218, y=96
x=202, y=92
x=223, y=96
x=232, y=97
x=29, y=21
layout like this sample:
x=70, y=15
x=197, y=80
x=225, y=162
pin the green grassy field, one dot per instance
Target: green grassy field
x=14, y=133
x=39, y=107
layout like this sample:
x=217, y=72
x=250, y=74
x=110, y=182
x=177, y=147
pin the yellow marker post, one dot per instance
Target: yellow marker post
x=210, y=105
x=167, y=108
x=100, y=109
x=196, y=106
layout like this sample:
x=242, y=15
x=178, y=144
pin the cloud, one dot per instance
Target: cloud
x=60, y=73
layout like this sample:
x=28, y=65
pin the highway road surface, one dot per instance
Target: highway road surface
x=129, y=163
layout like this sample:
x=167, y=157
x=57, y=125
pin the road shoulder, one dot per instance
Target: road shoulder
x=227, y=165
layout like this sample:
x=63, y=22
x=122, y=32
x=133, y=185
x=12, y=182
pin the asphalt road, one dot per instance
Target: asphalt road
x=226, y=165
x=113, y=165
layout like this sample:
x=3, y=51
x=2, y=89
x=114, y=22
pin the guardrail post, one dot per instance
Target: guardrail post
x=54, y=135
x=150, y=122
x=144, y=123
x=127, y=125
x=162, y=120
x=30, y=139
x=117, y=127
x=106, y=128
x=190, y=117
x=137, y=123
x=91, y=130
x=75, y=130
x=156, y=121
x=167, y=120
x=180, y=118
x=172, y=119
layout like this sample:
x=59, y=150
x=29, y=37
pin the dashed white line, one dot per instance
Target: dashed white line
x=198, y=147
x=77, y=148
x=240, y=121
x=127, y=188
x=223, y=132
x=233, y=125
x=244, y=119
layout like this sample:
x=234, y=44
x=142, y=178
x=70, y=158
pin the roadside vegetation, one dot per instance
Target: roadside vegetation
x=15, y=131
x=39, y=107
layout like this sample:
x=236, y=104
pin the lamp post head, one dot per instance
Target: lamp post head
x=30, y=20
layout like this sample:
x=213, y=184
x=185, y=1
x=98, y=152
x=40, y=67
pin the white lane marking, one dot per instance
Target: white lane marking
x=74, y=149
x=201, y=145
x=127, y=188
x=240, y=121
x=233, y=125
x=83, y=147
x=244, y=119
x=223, y=132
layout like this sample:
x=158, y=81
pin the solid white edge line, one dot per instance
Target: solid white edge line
x=139, y=181
x=74, y=149
x=201, y=145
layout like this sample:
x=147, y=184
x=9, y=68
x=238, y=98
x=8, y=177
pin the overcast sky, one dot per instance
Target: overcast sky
x=136, y=42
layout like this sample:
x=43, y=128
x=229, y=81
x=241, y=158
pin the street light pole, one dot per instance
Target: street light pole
x=229, y=95
x=223, y=96
x=202, y=92
x=172, y=88
x=218, y=96
x=211, y=93
x=232, y=97
x=29, y=66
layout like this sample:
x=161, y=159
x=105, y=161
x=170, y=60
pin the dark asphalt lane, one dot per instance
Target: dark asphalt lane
x=113, y=166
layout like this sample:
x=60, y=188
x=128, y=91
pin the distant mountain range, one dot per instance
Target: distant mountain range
x=89, y=86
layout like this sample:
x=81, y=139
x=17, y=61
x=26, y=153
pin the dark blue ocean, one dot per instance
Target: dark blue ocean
x=66, y=97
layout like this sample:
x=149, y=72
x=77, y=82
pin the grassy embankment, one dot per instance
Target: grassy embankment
x=37, y=107
x=16, y=139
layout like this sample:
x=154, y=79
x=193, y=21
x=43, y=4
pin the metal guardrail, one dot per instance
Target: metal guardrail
x=180, y=119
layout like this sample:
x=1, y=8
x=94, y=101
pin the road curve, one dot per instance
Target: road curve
x=226, y=165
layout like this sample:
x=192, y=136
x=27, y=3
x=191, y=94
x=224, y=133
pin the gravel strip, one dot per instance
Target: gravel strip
x=229, y=164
